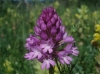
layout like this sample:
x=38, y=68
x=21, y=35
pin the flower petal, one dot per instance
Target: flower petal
x=75, y=51
x=43, y=26
x=53, y=30
x=44, y=50
x=44, y=36
x=66, y=61
x=69, y=58
x=43, y=65
x=69, y=39
x=39, y=56
x=49, y=24
x=58, y=23
x=68, y=47
x=52, y=62
x=47, y=65
x=50, y=50
x=61, y=60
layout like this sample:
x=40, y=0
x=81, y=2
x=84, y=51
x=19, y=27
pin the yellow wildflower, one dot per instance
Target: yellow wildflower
x=85, y=16
x=77, y=16
x=96, y=36
x=97, y=28
x=56, y=4
x=7, y=65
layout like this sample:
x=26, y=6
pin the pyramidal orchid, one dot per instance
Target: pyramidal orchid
x=49, y=35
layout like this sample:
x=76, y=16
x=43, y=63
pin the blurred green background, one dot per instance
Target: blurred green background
x=17, y=19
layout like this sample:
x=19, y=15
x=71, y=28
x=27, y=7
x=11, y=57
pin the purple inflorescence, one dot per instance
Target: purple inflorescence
x=49, y=36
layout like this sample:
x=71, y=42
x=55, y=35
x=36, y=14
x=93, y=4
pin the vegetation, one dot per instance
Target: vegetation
x=18, y=19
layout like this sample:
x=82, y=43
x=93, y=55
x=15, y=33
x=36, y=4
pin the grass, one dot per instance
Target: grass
x=17, y=22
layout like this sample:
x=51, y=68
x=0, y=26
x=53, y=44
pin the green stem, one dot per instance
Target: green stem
x=58, y=65
x=69, y=70
x=51, y=70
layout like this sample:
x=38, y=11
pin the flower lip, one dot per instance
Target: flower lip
x=46, y=63
x=35, y=53
x=37, y=30
x=64, y=58
x=47, y=46
x=75, y=51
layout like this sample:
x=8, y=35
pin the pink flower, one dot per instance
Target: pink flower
x=49, y=36
x=46, y=63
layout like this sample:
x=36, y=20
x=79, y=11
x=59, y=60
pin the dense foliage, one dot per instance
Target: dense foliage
x=17, y=21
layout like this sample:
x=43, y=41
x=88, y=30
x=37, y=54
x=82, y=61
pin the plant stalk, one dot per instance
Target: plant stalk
x=51, y=70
